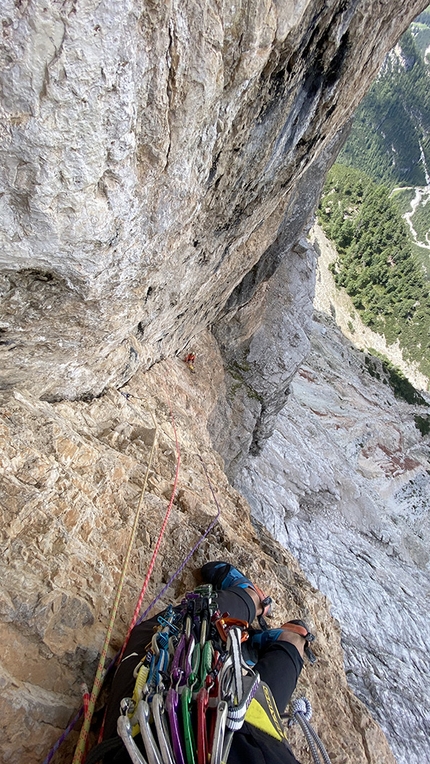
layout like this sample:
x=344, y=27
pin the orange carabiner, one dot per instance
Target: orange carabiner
x=224, y=624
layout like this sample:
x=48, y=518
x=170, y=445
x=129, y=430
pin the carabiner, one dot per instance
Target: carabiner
x=219, y=732
x=202, y=734
x=123, y=727
x=160, y=722
x=225, y=623
x=189, y=740
x=205, y=662
x=172, y=702
x=152, y=752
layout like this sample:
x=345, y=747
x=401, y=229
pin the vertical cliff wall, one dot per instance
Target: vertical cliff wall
x=158, y=164
x=149, y=152
x=344, y=483
x=72, y=475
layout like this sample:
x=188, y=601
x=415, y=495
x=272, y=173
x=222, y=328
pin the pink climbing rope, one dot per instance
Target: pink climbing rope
x=157, y=546
x=152, y=604
x=190, y=554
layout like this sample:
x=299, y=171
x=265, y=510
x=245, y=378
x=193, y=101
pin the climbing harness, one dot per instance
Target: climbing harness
x=302, y=714
x=198, y=690
x=196, y=686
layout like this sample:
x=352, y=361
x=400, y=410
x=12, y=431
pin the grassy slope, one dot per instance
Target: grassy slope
x=380, y=264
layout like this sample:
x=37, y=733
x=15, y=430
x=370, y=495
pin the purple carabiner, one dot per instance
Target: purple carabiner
x=177, y=671
x=172, y=702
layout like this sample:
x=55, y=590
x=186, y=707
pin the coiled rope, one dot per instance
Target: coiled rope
x=302, y=713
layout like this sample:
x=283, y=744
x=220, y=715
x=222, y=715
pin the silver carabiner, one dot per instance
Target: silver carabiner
x=123, y=727
x=219, y=732
x=160, y=722
x=152, y=752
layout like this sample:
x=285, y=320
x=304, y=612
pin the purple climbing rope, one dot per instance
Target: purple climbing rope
x=177, y=572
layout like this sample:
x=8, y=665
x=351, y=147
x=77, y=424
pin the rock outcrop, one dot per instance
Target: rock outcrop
x=149, y=154
x=344, y=484
x=159, y=162
x=72, y=474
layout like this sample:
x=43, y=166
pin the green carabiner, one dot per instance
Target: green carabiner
x=205, y=664
x=189, y=738
x=195, y=665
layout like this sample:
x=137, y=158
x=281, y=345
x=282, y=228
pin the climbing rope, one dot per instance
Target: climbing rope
x=98, y=681
x=302, y=713
x=179, y=570
x=151, y=605
x=64, y=735
x=159, y=540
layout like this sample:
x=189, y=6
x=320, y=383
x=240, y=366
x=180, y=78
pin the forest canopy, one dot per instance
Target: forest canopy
x=390, y=136
x=375, y=262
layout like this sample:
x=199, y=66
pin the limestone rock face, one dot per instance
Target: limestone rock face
x=71, y=480
x=344, y=484
x=159, y=162
x=149, y=152
x=263, y=330
x=262, y=343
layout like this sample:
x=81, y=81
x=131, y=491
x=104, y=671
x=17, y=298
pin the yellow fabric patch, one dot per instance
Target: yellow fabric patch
x=257, y=716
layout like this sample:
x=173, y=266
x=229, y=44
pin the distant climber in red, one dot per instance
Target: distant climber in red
x=189, y=360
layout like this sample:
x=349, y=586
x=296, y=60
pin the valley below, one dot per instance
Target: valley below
x=344, y=484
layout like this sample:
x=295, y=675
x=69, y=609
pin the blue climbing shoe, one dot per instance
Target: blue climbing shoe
x=261, y=639
x=222, y=576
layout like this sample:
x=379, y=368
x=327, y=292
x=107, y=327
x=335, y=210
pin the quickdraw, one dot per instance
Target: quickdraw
x=192, y=687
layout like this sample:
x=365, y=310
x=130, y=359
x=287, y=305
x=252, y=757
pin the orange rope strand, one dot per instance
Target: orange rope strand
x=80, y=750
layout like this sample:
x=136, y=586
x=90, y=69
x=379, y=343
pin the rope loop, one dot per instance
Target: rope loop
x=301, y=706
x=302, y=713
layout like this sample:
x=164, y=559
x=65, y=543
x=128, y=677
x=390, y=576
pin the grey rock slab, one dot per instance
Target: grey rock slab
x=344, y=484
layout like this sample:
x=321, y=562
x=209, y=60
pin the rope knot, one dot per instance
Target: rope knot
x=302, y=706
x=301, y=713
